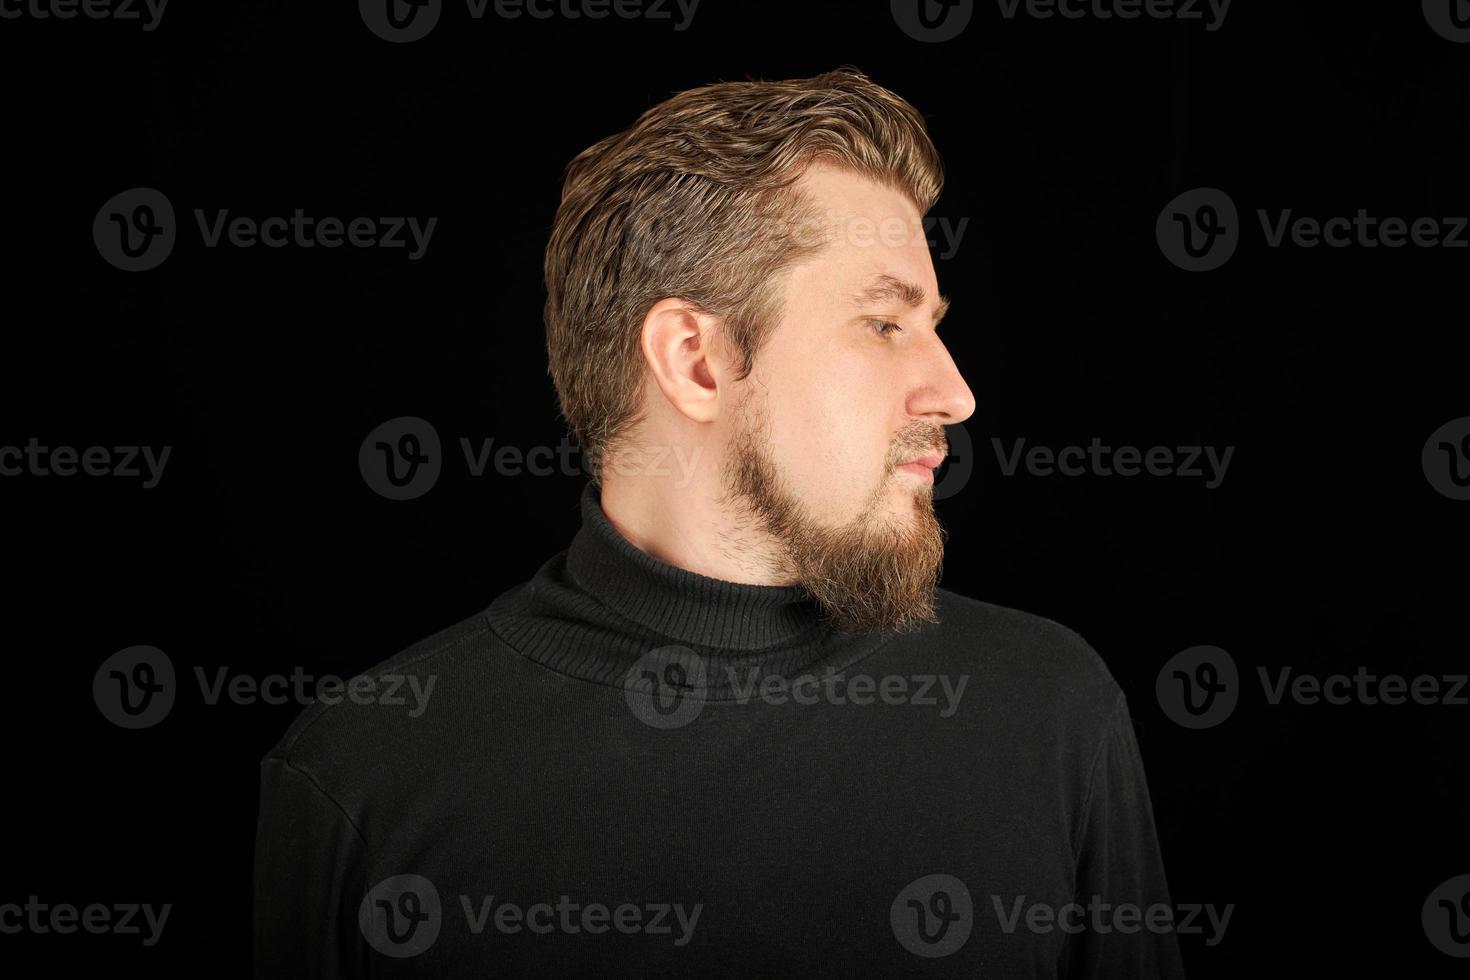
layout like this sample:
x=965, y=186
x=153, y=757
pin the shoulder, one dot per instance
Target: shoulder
x=1026, y=653
x=382, y=705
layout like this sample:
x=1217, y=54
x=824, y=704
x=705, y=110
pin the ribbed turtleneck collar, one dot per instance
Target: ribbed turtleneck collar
x=677, y=603
x=597, y=607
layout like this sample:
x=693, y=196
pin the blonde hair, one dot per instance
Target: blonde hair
x=695, y=201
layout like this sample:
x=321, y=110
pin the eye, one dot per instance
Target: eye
x=884, y=327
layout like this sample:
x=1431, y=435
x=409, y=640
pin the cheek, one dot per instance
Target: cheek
x=829, y=435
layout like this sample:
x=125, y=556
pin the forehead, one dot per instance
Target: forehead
x=872, y=231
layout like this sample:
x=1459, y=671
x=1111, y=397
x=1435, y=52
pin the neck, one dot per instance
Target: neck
x=604, y=610
x=695, y=527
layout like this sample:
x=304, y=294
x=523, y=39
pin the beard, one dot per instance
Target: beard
x=877, y=572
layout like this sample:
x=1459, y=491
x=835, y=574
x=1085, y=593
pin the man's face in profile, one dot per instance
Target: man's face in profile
x=841, y=420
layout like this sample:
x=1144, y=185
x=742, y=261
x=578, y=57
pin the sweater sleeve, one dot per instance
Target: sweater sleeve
x=307, y=879
x=1119, y=864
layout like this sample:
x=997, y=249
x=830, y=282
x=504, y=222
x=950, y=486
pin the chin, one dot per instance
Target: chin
x=905, y=503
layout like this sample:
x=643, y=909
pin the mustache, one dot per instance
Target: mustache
x=918, y=439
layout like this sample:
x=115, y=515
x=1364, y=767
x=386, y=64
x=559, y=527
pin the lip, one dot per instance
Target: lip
x=923, y=467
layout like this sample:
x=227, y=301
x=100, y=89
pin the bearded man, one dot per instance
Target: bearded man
x=735, y=729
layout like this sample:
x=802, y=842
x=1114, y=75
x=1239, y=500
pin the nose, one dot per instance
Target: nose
x=939, y=392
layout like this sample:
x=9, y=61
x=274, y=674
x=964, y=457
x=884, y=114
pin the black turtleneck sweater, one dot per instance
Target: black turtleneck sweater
x=625, y=768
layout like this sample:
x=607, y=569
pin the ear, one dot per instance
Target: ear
x=681, y=349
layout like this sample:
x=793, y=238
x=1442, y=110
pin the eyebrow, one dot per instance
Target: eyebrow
x=887, y=288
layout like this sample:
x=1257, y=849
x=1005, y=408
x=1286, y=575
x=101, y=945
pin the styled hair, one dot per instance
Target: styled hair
x=696, y=201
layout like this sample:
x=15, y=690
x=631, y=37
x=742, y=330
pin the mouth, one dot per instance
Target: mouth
x=923, y=467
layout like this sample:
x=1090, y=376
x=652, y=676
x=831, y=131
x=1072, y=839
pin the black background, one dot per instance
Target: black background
x=263, y=549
